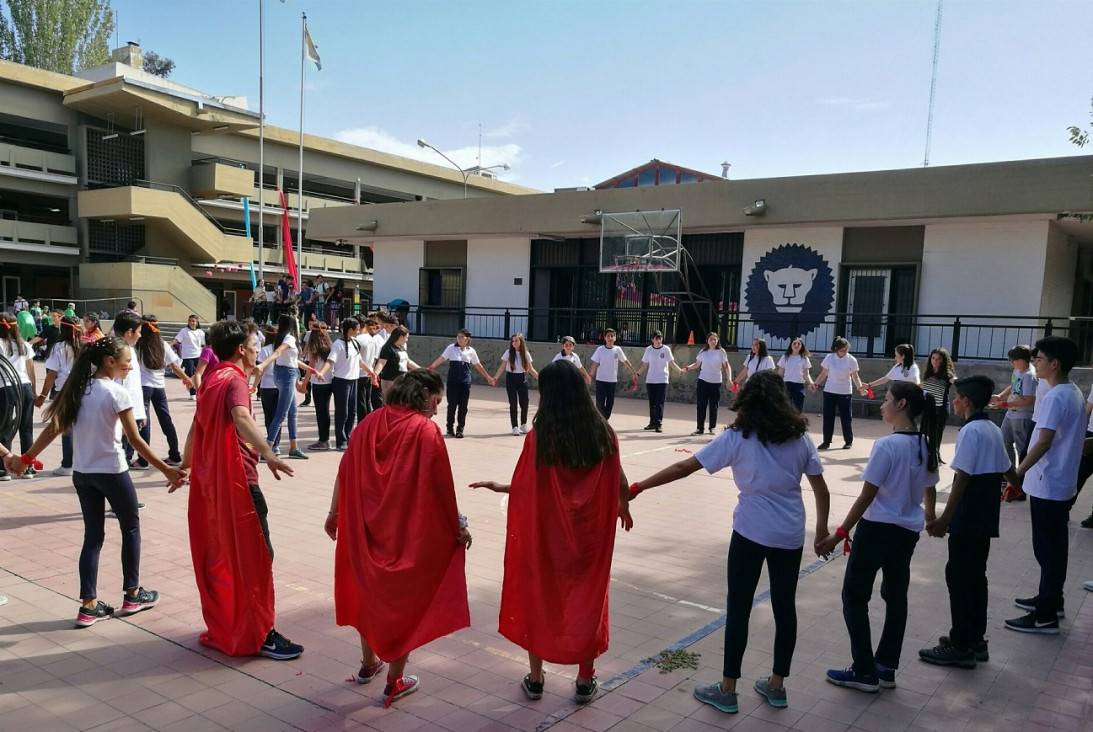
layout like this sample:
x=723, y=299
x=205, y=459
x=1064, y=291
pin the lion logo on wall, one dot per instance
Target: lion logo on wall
x=790, y=291
x=789, y=287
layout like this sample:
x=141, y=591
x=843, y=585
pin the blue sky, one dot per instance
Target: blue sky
x=572, y=92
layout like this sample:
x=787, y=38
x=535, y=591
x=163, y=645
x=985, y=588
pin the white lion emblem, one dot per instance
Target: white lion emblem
x=789, y=287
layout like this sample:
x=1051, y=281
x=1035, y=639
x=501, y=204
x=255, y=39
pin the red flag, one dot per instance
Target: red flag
x=290, y=256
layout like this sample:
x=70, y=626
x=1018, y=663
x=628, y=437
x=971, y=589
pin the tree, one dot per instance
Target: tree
x=1077, y=135
x=158, y=65
x=57, y=35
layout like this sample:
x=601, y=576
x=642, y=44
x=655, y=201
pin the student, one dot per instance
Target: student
x=899, y=477
x=316, y=354
x=840, y=370
x=659, y=360
x=369, y=381
x=566, y=493
x=127, y=326
x=58, y=367
x=605, y=362
x=712, y=360
x=91, y=329
x=347, y=365
x=267, y=388
x=1085, y=467
x=190, y=340
x=936, y=380
x=971, y=520
x=393, y=360
x=229, y=534
x=769, y=449
x=98, y=409
x=387, y=324
x=461, y=358
x=794, y=366
x=1019, y=400
x=904, y=369
x=758, y=360
x=399, y=563
x=16, y=351
x=285, y=358
x=1048, y=474
x=516, y=365
x=154, y=356
x=567, y=354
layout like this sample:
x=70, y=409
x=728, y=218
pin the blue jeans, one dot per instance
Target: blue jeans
x=285, y=379
x=269, y=406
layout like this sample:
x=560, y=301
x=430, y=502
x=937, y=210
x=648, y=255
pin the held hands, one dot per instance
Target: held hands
x=812, y=388
x=39, y=401
x=10, y=461
x=633, y=491
x=937, y=527
x=825, y=546
x=491, y=381
x=626, y=521
x=464, y=538
x=491, y=485
x=301, y=386
x=176, y=478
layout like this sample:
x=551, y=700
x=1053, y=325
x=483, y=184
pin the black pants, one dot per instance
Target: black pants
x=885, y=548
x=364, y=397
x=657, y=393
x=94, y=491
x=605, y=397
x=155, y=400
x=262, y=510
x=966, y=578
x=840, y=402
x=459, y=396
x=708, y=397
x=517, y=387
x=377, y=397
x=268, y=397
x=796, y=394
x=746, y=559
x=1050, y=545
x=1085, y=469
x=345, y=409
x=942, y=419
x=320, y=397
x=189, y=365
x=23, y=395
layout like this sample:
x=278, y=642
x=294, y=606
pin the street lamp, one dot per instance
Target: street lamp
x=479, y=170
x=422, y=143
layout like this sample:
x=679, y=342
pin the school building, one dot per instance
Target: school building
x=974, y=258
x=117, y=183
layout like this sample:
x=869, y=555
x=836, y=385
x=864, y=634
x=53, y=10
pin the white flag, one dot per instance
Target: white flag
x=312, y=50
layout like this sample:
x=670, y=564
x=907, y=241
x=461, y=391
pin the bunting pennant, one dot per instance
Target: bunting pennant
x=246, y=221
x=286, y=230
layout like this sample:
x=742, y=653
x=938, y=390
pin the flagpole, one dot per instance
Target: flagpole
x=261, y=144
x=300, y=185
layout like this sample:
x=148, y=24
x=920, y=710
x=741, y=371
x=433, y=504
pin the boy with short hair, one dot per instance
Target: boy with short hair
x=1018, y=399
x=971, y=519
x=1048, y=475
x=609, y=356
x=659, y=360
x=127, y=327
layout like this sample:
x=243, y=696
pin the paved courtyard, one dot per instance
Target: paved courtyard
x=667, y=592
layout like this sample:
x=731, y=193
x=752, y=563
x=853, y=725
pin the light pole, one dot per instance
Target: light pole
x=479, y=170
x=422, y=143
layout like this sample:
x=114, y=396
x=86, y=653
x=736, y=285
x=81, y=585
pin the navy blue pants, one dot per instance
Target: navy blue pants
x=1050, y=546
x=605, y=397
x=657, y=393
x=94, y=491
x=345, y=409
x=840, y=403
x=155, y=400
x=459, y=396
x=708, y=397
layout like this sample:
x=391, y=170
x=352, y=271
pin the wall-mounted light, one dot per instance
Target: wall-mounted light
x=107, y=221
x=370, y=226
x=136, y=133
x=136, y=218
x=221, y=128
x=759, y=208
x=593, y=219
x=195, y=133
x=110, y=136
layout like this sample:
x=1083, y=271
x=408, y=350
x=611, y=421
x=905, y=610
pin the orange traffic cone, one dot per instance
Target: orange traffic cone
x=691, y=339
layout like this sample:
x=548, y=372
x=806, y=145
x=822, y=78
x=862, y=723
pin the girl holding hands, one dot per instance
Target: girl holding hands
x=710, y=361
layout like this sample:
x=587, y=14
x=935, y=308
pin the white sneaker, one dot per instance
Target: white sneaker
x=516, y=430
x=1088, y=586
x=524, y=429
x=62, y=471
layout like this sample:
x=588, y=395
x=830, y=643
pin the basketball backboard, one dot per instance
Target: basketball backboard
x=640, y=241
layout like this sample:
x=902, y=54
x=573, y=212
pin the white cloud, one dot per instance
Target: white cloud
x=558, y=164
x=377, y=139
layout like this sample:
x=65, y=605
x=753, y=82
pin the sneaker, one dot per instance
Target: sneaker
x=585, y=693
x=29, y=473
x=459, y=434
x=979, y=650
x=89, y=616
x=297, y=454
x=342, y=448
x=1088, y=586
x=710, y=431
x=1029, y=624
x=193, y=397
x=450, y=432
x=715, y=697
x=823, y=446
x=143, y=600
x=848, y=445
x=3, y=600
x=776, y=695
x=658, y=428
x=944, y=654
x=1029, y=604
x=395, y=690
x=139, y=464
x=173, y=462
x=516, y=431
x=61, y=471
x=533, y=689
x=367, y=673
x=849, y=678
x=649, y=427
x=5, y=476
x=320, y=445
x=886, y=676
x=280, y=648
x=1087, y=522
x=524, y=429
x=698, y=432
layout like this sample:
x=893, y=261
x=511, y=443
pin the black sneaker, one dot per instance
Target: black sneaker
x=280, y=648
x=946, y=655
x=89, y=616
x=143, y=600
x=533, y=689
x=823, y=446
x=1029, y=624
x=658, y=428
x=848, y=445
x=586, y=693
x=649, y=427
x=459, y=434
x=979, y=650
x=697, y=432
x=1029, y=604
x=1087, y=522
x=450, y=432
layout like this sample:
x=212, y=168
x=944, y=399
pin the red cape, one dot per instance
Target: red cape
x=231, y=561
x=561, y=535
x=398, y=567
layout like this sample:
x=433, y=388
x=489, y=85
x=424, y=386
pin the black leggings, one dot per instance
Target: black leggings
x=708, y=396
x=94, y=491
x=746, y=559
x=517, y=387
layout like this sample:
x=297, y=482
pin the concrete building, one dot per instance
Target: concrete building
x=974, y=258
x=118, y=183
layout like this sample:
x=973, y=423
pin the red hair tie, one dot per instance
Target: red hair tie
x=151, y=326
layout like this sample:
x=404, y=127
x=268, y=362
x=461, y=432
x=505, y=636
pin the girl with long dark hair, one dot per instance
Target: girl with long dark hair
x=840, y=370
x=904, y=369
x=710, y=361
x=347, y=362
x=938, y=376
x=316, y=352
x=154, y=356
x=97, y=410
x=758, y=360
x=21, y=357
x=566, y=493
x=769, y=449
x=58, y=367
x=285, y=358
x=516, y=365
x=794, y=366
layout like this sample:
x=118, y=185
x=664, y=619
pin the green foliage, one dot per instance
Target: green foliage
x=668, y=661
x=158, y=65
x=1078, y=136
x=57, y=35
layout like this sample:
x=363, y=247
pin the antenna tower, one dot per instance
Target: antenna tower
x=933, y=86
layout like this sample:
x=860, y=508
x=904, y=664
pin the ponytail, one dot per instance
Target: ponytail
x=920, y=404
x=63, y=410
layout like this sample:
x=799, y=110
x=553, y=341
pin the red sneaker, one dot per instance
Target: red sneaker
x=397, y=689
x=367, y=673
